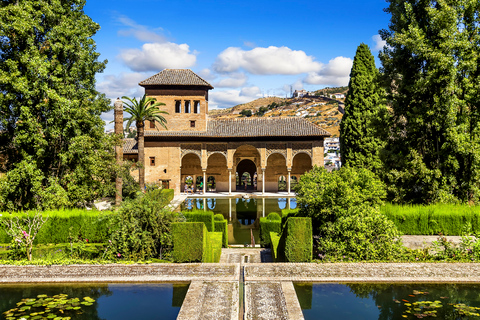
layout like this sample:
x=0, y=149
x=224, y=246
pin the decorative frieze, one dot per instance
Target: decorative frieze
x=216, y=148
x=302, y=147
x=195, y=148
x=276, y=148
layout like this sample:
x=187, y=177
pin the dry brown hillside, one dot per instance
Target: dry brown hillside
x=321, y=111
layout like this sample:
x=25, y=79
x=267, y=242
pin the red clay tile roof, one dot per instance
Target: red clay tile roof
x=177, y=77
x=250, y=128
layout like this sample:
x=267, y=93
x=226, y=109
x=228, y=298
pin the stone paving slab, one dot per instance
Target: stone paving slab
x=210, y=300
x=365, y=272
x=155, y=272
x=265, y=301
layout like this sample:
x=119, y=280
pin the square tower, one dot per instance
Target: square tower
x=185, y=95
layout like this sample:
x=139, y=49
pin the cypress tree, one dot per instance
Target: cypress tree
x=359, y=141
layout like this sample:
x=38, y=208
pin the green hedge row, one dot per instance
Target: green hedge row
x=222, y=227
x=295, y=244
x=200, y=216
x=189, y=241
x=270, y=223
x=193, y=243
x=298, y=240
x=433, y=219
x=61, y=224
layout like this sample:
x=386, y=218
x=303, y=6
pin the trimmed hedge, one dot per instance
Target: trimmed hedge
x=189, y=241
x=288, y=213
x=222, y=227
x=61, y=224
x=193, y=243
x=200, y=216
x=270, y=223
x=298, y=240
x=433, y=219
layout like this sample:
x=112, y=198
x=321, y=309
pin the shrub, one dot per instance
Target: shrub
x=298, y=240
x=200, y=216
x=65, y=223
x=222, y=226
x=189, y=241
x=142, y=228
x=271, y=223
x=215, y=239
x=448, y=219
x=218, y=217
x=274, y=241
x=361, y=234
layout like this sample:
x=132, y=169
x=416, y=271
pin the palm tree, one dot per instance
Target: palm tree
x=141, y=111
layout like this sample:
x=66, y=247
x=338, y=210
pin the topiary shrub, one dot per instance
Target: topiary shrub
x=190, y=242
x=298, y=240
x=200, y=216
x=270, y=223
x=274, y=242
x=222, y=226
x=218, y=217
x=215, y=246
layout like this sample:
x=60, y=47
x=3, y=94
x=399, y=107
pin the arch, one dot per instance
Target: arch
x=191, y=166
x=217, y=168
x=211, y=183
x=282, y=183
x=243, y=167
x=301, y=163
x=276, y=167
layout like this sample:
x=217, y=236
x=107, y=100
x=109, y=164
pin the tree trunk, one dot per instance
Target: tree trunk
x=141, y=155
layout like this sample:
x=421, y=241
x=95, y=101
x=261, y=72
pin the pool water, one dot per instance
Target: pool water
x=388, y=301
x=243, y=215
x=112, y=301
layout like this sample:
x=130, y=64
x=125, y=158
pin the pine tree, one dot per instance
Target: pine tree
x=51, y=133
x=431, y=68
x=359, y=140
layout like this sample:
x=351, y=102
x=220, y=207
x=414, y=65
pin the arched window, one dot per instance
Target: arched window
x=282, y=183
x=293, y=182
x=211, y=185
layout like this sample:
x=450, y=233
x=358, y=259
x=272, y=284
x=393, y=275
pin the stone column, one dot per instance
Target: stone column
x=263, y=180
x=118, y=116
x=230, y=181
x=204, y=180
x=288, y=183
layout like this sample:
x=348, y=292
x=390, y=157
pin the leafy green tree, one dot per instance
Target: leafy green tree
x=344, y=207
x=359, y=140
x=145, y=109
x=246, y=112
x=51, y=133
x=431, y=71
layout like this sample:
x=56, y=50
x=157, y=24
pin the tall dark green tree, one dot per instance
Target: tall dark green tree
x=359, y=138
x=432, y=76
x=51, y=133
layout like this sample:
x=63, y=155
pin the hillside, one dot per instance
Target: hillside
x=320, y=110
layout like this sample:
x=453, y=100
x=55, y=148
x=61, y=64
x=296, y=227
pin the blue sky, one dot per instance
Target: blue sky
x=245, y=49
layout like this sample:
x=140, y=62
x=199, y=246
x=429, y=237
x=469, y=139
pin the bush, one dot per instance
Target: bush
x=215, y=239
x=298, y=240
x=64, y=224
x=448, y=219
x=218, y=217
x=142, y=228
x=200, y=216
x=361, y=234
x=222, y=226
x=274, y=241
x=325, y=196
x=271, y=223
x=189, y=241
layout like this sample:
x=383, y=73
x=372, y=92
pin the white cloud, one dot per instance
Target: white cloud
x=379, y=43
x=235, y=80
x=206, y=74
x=124, y=84
x=158, y=56
x=271, y=60
x=336, y=73
x=230, y=98
x=140, y=32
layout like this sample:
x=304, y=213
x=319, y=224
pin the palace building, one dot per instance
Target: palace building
x=258, y=154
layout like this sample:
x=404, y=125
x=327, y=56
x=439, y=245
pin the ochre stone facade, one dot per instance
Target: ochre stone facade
x=218, y=151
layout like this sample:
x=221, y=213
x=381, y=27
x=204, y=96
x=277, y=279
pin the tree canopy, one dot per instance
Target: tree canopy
x=431, y=72
x=360, y=141
x=51, y=133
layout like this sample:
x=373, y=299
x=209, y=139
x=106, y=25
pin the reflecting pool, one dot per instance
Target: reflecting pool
x=109, y=301
x=388, y=301
x=243, y=215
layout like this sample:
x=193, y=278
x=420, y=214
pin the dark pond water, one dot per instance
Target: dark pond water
x=389, y=301
x=242, y=214
x=112, y=301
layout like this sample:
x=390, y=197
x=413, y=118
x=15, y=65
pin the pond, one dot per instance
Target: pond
x=388, y=301
x=243, y=215
x=94, y=301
